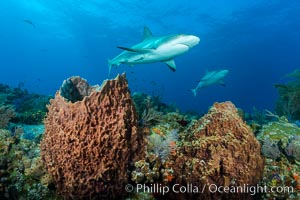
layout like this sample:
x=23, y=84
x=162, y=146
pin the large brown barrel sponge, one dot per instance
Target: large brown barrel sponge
x=219, y=149
x=89, y=145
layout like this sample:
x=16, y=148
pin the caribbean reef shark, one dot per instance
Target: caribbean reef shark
x=155, y=49
x=211, y=78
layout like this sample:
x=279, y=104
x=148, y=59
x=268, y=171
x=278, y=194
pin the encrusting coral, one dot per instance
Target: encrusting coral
x=89, y=145
x=218, y=149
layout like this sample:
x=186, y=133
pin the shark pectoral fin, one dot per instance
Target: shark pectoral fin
x=222, y=83
x=126, y=49
x=136, y=50
x=109, y=66
x=171, y=64
x=194, y=91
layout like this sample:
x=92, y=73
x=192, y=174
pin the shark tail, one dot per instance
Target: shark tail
x=194, y=92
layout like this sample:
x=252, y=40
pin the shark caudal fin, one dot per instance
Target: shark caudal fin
x=194, y=92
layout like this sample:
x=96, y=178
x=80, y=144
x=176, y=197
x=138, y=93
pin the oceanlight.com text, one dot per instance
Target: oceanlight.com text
x=212, y=188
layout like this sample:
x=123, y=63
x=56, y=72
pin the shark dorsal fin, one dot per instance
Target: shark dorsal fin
x=147, y=33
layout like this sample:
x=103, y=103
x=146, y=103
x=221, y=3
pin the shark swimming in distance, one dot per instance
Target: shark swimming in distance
x=211, y=78
x=27, y=21
x=155, y=49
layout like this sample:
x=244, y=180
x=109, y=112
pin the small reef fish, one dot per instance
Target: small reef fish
x=155, y=49
x=211, y=78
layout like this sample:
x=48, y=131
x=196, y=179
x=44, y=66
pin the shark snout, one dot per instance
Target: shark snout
x=189, y=40
x=193, y=41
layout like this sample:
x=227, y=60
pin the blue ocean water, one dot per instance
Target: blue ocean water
x=44, y=42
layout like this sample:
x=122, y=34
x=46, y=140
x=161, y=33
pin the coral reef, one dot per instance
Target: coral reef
x=150, y=109
x=285, y=176
x=288, y=103
x=293, y=148
x=90, y=145
x=6, y=113
x=279, y=139
x=161, y=146
x=143, y=102
x=155, y=166
x=95, y=143
x=29, y=108
x=21, y=169
x=32, y=132
x=270, y=149
x=217, y=149
x=150, y=117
